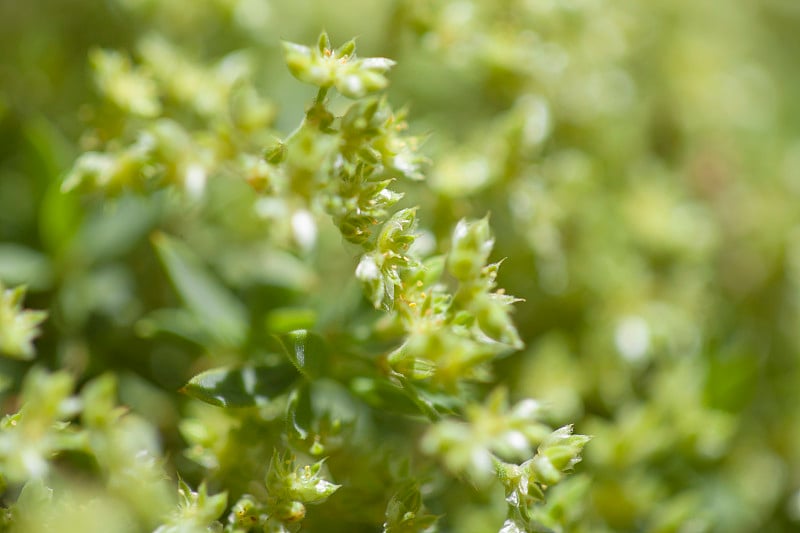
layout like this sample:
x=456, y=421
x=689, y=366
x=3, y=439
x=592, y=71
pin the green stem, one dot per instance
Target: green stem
x=321, y=94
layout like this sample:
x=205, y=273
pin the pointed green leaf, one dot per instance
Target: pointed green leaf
x=307, y=352
x=240, y=386
x=346, y=50
x=323, y=43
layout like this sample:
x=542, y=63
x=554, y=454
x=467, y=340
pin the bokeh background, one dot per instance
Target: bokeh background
x=641, y=164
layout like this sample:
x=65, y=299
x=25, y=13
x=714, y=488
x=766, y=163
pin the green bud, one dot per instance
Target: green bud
x=471, y=246
x=356, y=228
x=373, y=81
x=346, y=50
x=494, y=320
x=304, y=66
x=545, y=471
x=317, y=448
x=275, y=153
x=307, y=485
x=324, y=43
x=354, y=233
x=562, y=457
x=397, y=234
x=245, y=511
x=508, y=474
x=558, y=452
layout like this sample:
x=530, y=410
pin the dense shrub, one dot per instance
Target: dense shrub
x=251, y=279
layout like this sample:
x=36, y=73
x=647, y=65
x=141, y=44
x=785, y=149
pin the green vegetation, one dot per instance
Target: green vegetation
x=256, y=278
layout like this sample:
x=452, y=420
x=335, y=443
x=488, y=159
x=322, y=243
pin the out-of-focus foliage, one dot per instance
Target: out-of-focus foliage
x=249, y=323
x=18, y=326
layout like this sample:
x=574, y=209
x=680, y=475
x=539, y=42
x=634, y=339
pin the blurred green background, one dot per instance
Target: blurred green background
x=641, y=164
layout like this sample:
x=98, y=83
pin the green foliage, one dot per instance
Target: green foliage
x=18, y=326
x=262, y=295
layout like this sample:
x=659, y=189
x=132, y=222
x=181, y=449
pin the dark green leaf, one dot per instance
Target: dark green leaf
x=241, y=386
x=298, y=414
x=384, y=396
x=433, y=405
x=307, y=352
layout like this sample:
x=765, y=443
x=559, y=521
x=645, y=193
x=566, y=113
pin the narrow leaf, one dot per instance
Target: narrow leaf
x=222, y=315
x=298, y=414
